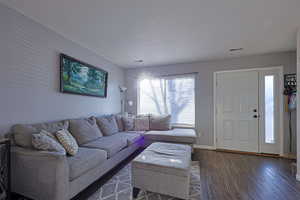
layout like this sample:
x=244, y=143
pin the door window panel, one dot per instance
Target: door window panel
x=269, y=109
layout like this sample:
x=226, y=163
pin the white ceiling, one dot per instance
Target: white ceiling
x=169, y=31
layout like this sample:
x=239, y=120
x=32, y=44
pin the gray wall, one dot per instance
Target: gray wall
x=29, y=76
x=204, y=85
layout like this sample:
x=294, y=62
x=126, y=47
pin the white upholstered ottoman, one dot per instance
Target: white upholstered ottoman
x=163, y=168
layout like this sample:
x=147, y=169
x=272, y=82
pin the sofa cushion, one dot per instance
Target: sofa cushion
x=177, y=135
x=142, y=123
x=23, y=132
x=132, y=137
x=119, y=122
x=111, y=144
x=85, y=130
x=128, y=123
x=85, y=160
x=108, y=125
x=160, y=122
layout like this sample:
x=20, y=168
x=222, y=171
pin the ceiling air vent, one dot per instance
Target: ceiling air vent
x=236, y=49
x=139, y=61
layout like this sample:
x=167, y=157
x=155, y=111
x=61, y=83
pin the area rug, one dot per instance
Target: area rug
x=120, y=188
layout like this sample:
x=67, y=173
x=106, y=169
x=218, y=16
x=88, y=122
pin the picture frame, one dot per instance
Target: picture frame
x=290, y=80
x=77, y=77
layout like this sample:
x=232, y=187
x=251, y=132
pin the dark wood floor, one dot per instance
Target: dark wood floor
x=229, y=176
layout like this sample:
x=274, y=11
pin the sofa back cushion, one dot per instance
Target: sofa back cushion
x=120, y=122
x=142, y=123
x=108, y=125
x=84, y=130
x=111, y=144
x=22, y=133
x=160, y=122
x=128, y=123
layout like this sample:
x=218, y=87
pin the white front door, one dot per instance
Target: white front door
x=237, y=107
x=248, y=110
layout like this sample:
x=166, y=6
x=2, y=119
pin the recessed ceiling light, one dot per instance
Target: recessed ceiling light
x=236, y=49
x=139, y=61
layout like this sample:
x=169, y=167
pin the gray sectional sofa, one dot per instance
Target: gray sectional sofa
x=45, y=175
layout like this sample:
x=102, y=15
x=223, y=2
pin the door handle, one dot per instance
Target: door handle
x=254, y=110
x=255, y=116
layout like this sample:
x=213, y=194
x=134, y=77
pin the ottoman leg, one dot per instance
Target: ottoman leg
x=135, y=192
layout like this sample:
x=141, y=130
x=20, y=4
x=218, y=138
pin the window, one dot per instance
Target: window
x=269, y=109
x=169, y=95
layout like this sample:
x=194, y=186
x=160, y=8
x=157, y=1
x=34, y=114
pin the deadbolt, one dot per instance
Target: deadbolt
x=255, y=116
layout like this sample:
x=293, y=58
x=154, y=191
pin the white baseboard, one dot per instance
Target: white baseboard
x=298, y=177
x=288, y=156
x=197, y=146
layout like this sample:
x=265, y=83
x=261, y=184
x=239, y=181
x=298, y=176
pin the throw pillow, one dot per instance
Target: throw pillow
x=128, y=123
x=160, y=123
x=108, y=125
x=48, y=134
x=85, y=130
x=120, y=122
x=67, y=141
x=44, y=142
x=142, y=123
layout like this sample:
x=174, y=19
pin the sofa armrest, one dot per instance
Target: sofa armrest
x=32, y=152
x=39, y=174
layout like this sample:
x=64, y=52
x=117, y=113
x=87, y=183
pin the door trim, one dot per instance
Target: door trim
x=281, y=102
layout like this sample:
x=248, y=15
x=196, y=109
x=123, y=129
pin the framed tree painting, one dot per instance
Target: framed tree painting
x=77, y=77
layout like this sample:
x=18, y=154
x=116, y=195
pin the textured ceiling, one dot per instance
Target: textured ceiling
x=169, y=31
